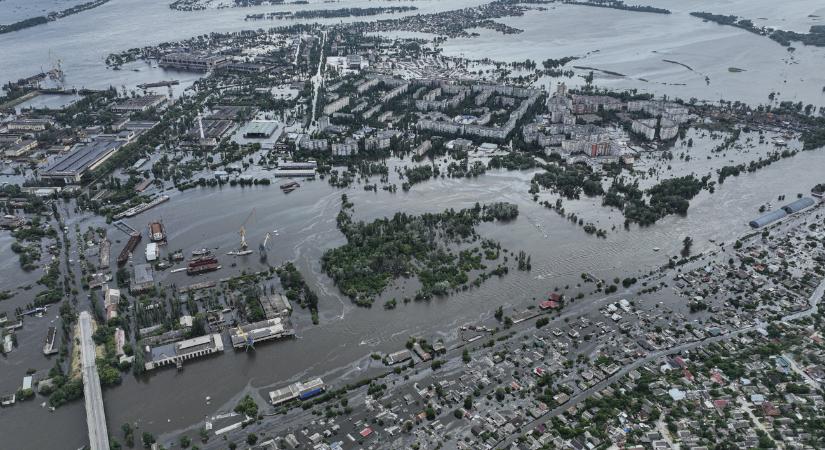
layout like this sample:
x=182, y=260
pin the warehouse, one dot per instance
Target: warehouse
x=260, y=129
x=767, y=218
x=798, y=205
x=82, y=159
x=139, y=104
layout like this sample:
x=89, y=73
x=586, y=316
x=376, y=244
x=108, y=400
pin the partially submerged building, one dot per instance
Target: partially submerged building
x=178, y=352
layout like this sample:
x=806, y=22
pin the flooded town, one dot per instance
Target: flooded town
x=412, y=225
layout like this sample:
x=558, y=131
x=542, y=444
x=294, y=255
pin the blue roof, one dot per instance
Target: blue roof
x=798, y=205
x=767, y=218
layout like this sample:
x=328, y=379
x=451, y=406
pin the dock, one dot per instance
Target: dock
x=135, y=210
x=95, y=416
x=124, y=227
x=159, y=84
x=123, y=257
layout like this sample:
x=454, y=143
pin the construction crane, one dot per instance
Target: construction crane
x=242, y=231
x=264, y=246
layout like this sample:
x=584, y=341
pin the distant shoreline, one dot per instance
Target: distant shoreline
x=51, y=17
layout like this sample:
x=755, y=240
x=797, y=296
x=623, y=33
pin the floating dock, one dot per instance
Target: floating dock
x=123, y=258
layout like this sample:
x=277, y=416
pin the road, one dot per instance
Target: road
x=318, y=79
x=95, y=416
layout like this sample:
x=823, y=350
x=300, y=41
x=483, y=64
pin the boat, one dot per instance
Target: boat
x=177, y=256
x=656, y=249
x=202, y=264
x=201, y=252
x=180, y=269
x=291, y=184
x=157, y=232
x=7, y=400
x=239, y=252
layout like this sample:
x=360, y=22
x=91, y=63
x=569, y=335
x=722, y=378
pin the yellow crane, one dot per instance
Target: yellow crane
x=249, y=343
x=242, y=231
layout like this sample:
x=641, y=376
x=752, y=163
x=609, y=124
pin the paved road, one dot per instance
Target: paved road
x=95, y=417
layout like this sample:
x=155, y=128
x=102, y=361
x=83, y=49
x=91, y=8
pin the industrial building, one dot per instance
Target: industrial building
x=399, y=357
x=139, y=104
x=192, y=61
x=298, y=390
x=18, y=147
x=265, y=330
x=30, y=124
x=260, y=129
x=181, y=351
x=85, y=157
x=142, y=278
x=209, y=132
x=298, y=165
x=276, y=305
x=293, y=173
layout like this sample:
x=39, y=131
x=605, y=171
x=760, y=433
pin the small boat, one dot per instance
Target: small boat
x=656, y=249
x=200, y=252
x=239, y=252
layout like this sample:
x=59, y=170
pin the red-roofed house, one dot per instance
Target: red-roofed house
x=548, y=304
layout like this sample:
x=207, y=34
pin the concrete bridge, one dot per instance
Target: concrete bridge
x=95, y=416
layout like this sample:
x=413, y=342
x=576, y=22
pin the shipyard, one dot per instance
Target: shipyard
x=456, y=224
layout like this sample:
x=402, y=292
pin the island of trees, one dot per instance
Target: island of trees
x=436, y=248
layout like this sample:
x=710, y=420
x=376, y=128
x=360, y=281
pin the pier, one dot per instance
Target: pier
x=124, y=227
x=95, y=416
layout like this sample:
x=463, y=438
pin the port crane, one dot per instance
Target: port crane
x=249, y=343
x=264, y=246
x=242, y=231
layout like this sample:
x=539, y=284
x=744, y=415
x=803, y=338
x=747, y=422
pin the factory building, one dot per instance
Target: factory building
x=178, y=352
x=139, y=104
x=192, y=61
x=265, y=330
x=84, y=158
